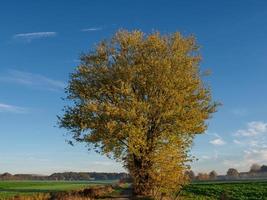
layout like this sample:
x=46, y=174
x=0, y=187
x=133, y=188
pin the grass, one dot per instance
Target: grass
x=238, y=190
x=245, y=190
x=12, y=188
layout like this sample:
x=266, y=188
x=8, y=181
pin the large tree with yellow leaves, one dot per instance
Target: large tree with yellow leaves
x=140, y=99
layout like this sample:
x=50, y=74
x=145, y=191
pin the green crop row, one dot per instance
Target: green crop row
x=234, y=191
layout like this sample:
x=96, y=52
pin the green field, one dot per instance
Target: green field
x=245, y=190
x=12, y=188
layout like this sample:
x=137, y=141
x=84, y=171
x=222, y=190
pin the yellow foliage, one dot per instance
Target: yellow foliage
x=140, y=99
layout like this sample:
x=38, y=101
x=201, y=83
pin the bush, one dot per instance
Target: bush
x=85, y=194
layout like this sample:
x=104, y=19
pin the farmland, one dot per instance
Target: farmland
x=239, y=190
x=243, y=190
x=12, y=188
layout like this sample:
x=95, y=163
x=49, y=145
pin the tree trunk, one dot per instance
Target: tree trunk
x=142, y=183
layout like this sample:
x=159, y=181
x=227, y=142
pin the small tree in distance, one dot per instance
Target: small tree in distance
x=140, y=99
x=263, y=168
x=233, y=173
x=190, y=174
x=255, y=168
x=213, y=175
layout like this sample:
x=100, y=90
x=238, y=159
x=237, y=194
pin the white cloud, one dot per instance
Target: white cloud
x=92, y=29
x=253, y=129
x=248, y=158
x=249, y=145
x=253, y=137
x=33, y=80
x=241, y=164
x=11, y=108
x=218, y=141
x=205, y=157
x=253, y=144
x=256, y=156
x=36, y=35
x=213, y=156
x=234, y=163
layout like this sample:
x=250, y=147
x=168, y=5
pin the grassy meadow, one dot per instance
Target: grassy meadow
x=239, y=190
x=12, y=188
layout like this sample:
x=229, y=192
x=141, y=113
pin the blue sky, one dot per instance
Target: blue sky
x=40, y=44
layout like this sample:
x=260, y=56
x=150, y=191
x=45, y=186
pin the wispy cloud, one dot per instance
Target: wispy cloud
x=254, y=137
x=92, y=29
x=247, y=158
x=256, y=155
x=32, y=80
x=205, y=157
x=35, y=35
x=12, y=108
x=252, y=140
x=253, y=129
x=214, y=156
x=218, y=141
x=236, y=163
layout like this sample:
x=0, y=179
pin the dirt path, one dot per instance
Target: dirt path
x=125, y=194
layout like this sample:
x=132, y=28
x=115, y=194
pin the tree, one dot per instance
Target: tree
x=233, y=173
x=263, y=168
x=255, y=168
x=140, y=99
x=213, y=175
x=190, y=174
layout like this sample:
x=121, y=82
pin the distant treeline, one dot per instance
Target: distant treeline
x=67, y=176
x=256, y=172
